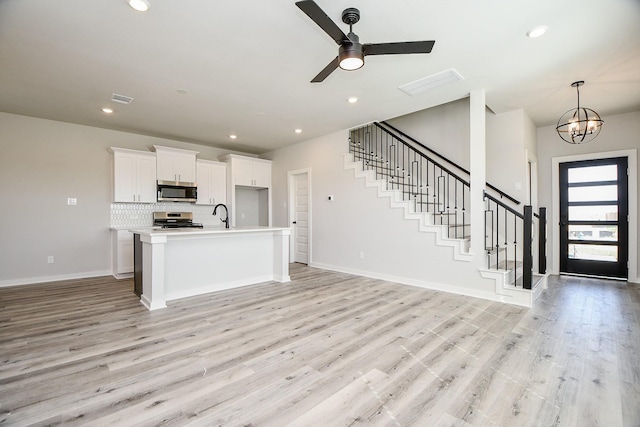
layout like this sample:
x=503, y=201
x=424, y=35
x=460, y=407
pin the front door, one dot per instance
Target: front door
x=594, y=223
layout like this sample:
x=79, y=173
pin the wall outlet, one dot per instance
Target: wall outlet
x=72, y=201
x=361, y=255
x=50, y=259
x=330, y=198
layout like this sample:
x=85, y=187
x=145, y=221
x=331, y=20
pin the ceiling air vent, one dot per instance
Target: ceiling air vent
x=122, y=99
x=431, y=82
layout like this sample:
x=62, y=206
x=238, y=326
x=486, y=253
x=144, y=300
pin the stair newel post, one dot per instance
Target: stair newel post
x=542, y=241
x=527, y=246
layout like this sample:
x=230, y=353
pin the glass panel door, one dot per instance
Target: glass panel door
x=593, y=217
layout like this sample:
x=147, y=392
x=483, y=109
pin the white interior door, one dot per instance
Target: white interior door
x=299, y=189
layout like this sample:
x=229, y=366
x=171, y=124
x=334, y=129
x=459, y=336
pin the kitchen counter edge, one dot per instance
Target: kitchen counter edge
x=201, y=231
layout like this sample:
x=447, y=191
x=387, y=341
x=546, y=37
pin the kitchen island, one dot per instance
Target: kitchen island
x=184, y=262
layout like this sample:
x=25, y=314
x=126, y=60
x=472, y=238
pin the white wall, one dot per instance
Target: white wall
x=444, y=129
x=42, y=163
x=619, y=133
x=509, y=136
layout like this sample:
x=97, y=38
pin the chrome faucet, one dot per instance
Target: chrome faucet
x=226, y=220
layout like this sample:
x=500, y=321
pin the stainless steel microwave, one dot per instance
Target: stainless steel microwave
x=174, y=191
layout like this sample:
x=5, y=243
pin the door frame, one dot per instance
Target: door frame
x=291, y=211
x=632, y=164
x=620, y=268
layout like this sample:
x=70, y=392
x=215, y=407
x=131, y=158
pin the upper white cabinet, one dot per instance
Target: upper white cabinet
x=134, y=176
x=248, y=190
x=175, y=164
x=212, y=182
x=251, y=172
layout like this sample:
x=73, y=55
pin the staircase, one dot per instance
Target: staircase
x=435, y=192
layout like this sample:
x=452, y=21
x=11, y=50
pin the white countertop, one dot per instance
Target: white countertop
x=157, y=231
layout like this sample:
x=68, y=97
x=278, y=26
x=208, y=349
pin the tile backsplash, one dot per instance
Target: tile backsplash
x=131, y=215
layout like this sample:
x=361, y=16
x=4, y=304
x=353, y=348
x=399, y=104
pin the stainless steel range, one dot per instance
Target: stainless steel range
x=174, y=220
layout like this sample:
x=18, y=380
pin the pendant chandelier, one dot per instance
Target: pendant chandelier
x=579, y=125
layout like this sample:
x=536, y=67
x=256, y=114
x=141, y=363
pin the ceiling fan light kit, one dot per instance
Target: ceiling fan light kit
x=351, y=52
x=350, y=56
x=579, y=125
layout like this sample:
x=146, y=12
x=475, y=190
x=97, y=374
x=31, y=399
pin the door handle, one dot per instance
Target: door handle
x=295, y=222
x=563, y=220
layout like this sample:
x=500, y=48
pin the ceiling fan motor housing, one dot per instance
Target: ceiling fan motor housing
x=350, y=16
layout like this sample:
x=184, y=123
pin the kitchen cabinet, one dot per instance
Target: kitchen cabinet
x=134, y=176
x=212, y=182
x=252, y=173
x=248, y=190
x=122, y=254
x=175, y=164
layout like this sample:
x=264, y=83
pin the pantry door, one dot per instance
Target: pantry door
x=300, y=215
x=594, y=226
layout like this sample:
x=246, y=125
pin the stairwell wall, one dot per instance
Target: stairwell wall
x=358, y=233
x=510, y=141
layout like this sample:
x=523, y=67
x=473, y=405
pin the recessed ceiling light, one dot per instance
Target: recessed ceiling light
x=298, y=131
x=233, y=136
x=139, y=5
x=537, y=31
x=107, y=110
x=352, y=99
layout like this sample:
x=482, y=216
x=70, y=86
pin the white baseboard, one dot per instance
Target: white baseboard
x=44, y=279
x=440, y=287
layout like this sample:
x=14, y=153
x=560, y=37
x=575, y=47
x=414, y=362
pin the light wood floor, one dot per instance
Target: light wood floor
x=327, y=349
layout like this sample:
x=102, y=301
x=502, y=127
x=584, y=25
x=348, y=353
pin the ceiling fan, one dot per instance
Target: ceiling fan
x=351, y=53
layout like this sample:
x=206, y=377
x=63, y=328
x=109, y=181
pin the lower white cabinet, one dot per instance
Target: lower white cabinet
x=212, y=182
x=122, y=254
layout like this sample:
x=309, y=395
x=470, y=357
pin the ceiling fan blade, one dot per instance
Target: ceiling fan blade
x=318, y=16
x=326, y=71
x=398, y=48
